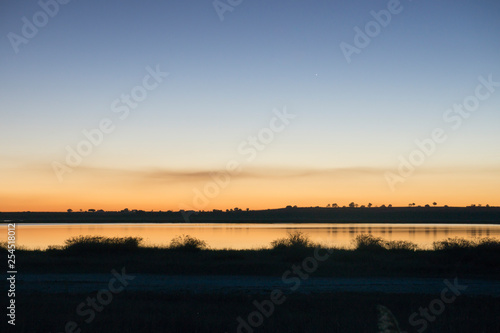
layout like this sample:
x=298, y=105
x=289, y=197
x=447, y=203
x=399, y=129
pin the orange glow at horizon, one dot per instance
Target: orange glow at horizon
x=113, y=192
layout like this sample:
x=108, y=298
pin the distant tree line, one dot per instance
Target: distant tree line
x=238, y=210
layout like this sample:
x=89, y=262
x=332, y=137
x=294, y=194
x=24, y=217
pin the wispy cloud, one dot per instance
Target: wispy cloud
x=172, y=175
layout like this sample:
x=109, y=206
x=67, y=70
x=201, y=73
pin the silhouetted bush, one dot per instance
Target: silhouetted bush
x=297, y=240
x=101, y=244
x=457, y=244
x=187, y=243
x=488, y=244
x=368, y=242
x=3, y=247
x=401, y=246
x=453, y=244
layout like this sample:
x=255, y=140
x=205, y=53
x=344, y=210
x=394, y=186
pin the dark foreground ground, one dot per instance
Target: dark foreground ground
x=320, y=312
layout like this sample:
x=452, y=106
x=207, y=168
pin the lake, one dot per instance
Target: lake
x=246, y=236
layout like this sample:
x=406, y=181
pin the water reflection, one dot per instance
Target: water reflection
x=246, y=236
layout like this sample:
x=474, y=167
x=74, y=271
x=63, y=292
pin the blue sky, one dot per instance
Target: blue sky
x=226, y=77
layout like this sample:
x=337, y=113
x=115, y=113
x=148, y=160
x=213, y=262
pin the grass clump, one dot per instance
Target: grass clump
x=462, y=244
x=453, y=244
x=401, y=246
x=366, y=242
x=187, y=243
x=488, y=244
x=101, y=244
x=3, y=247
x=294, y=240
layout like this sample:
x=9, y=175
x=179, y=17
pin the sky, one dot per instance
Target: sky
x=168, y=105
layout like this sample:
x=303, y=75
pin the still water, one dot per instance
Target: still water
x=246, y=236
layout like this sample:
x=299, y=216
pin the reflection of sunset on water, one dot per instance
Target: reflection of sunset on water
x=248, y=236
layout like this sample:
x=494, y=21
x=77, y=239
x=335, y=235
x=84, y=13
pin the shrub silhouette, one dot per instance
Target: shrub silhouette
x=488, y=244
x=401, y=246
x=460, y=244
x=368, y=242
x=101, y=244
x=294, y=240
x=453, y=244
x=187, y=243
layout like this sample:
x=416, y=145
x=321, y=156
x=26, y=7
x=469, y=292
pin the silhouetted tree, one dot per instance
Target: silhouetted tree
x=334, y=205
x=352, y=205
x=70, y=210
x=370, y=205
x=434, y=203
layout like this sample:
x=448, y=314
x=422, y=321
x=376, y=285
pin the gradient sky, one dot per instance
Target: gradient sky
x=352, y=121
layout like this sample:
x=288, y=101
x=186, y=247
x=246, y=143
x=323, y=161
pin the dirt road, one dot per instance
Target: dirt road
x=82, y=283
